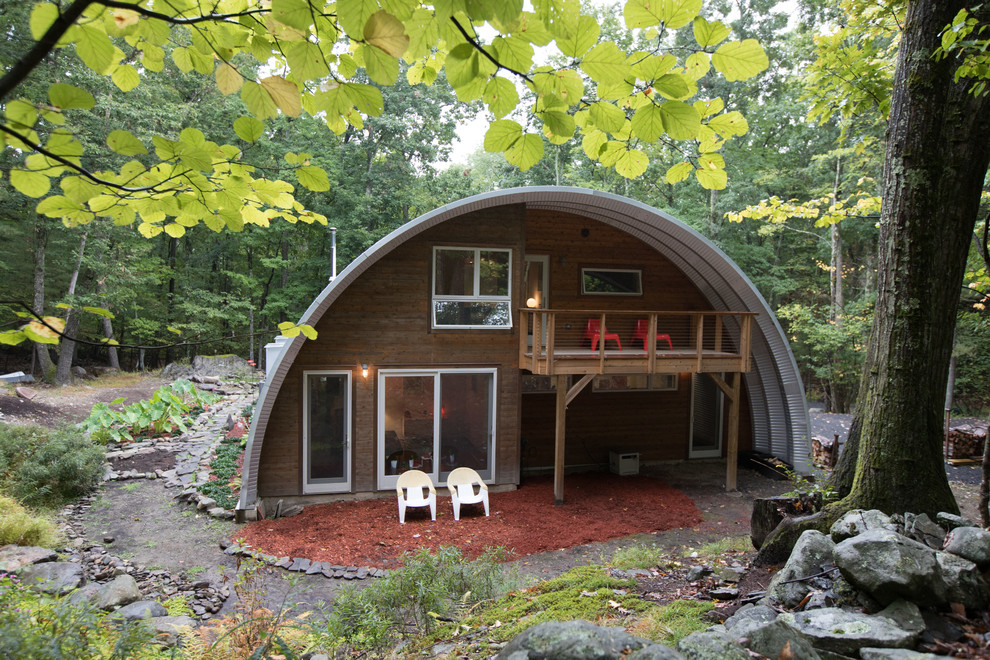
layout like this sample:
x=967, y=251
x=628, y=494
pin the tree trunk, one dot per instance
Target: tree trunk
x=838, y=297
x=38, y=305
x=935, y=164
x=934, y=168
x=112, y=359
x=67, y=352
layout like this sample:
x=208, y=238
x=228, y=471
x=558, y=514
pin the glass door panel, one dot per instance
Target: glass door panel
x=465, y=422
x=326, y=464
x=706, y=418
x=408, y=427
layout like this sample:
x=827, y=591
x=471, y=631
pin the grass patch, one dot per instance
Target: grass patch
x=721, y=547
x=121, y=379
x=585, y=592
x=21, y=527
x=670, y=623
x=638, y=556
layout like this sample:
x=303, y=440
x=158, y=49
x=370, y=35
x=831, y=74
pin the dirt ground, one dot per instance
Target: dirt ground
x=151, y=529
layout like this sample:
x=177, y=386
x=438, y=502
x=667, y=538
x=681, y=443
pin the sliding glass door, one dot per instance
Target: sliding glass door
x=435, y=420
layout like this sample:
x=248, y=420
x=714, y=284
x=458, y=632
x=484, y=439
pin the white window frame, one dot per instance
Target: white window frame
x=475, y=297
x=388, y=482
x=340, y=487
x=637, y=271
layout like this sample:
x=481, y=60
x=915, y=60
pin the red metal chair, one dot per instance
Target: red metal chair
x=642, y=328
x=594, y=331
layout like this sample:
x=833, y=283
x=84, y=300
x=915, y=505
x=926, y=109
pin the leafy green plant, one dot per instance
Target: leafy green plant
x=429, y=588
x=165, y=412
x=37, y=627
x=41, y=467
x=21, y=527
x=224, y=488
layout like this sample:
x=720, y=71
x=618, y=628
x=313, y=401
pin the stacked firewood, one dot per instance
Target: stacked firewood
x=966, y=440
x=824, y=451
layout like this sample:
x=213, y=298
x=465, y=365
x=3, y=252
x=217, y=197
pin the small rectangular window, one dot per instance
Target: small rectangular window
x=611, y=282
x=471, y=287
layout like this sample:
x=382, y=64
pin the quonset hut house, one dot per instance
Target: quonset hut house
x=543, y=329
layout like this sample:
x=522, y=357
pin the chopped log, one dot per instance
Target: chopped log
x=966, y=441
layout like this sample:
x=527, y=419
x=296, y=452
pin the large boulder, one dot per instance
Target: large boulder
x=889, y=566
x=141, y=609
x=857, y=521
x=580, y=640
x=168, y=629
x=770, y=638
x=963, y=581
x=838, y=631
x=122, y=590
x=15, y=557
x=57, y=578
x=811, y=555
x=972, y=543
x=711, y=645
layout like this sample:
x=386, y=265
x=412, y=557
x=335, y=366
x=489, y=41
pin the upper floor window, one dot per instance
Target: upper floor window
x=471, y=287
x=611, y=282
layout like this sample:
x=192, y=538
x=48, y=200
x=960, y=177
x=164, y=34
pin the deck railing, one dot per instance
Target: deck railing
x=557, y=341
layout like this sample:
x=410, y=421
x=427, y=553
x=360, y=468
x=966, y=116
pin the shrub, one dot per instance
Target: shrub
x=20, y=526
x=410, y=600
x=46, y=468
x=224, y=489
x=163, y=413
x=36, y=627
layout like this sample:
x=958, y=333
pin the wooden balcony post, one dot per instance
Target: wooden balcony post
x=732, y=450
x=718, y=333
x=699, y=340
x=551, y=341
x=523, y=338
x=558, y=446
x=601, y=344
x=651, y=343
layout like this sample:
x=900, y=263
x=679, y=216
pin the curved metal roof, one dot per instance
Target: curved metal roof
x=776, y=394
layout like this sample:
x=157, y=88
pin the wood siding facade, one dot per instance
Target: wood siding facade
x=383, y=319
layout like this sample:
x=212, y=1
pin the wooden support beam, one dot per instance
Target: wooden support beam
x=732, y=450
x=699, y=341
x=558, y=446
x=651, y=344
x=577, y=387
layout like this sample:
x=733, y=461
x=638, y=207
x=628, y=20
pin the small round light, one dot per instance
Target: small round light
x=531, y=303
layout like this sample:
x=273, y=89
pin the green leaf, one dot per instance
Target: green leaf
x=697, y=65
x=593, y=143
x=125, y=77
x=678, y=172
x=308, y=331
x=606, y=62
x=249, y=129
x=647, y=123
x=123, y=142
x=711, y=173
x=67, y=97
x=21, y=114
x=650, y=13
x=353, y=14
x=501, y=96
x=672, y=86
x=501, y=135
x=709, y=34
x=42, y=17
x=526, y=152
x=94, y=48
x=258, y=101
x=680, y=120
x=582, y=39
x=313, y=178
x=284, y=93
x=632, y=163
x=387, y=33
x=382, y=68
x=607, y=117
x=294, y=13
x=559, y=123
x=513, y=52
x=366, y=98
x=729, y=124
x=740, y=60
x=229, y=80
x=175, y=230
x=11, y=337
x=182, y=59
x=32, y=184
x=99, y=311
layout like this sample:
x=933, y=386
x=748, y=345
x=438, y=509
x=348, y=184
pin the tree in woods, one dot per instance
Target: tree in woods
x=934, y=169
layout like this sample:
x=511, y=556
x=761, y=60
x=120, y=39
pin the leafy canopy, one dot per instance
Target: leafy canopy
x=295, y=56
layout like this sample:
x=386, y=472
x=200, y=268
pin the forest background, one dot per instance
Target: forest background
x=206, y=292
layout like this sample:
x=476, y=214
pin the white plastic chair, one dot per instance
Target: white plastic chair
x=461, y=483
x=418, y=491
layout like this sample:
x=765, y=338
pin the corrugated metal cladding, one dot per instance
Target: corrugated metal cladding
x=780, y=415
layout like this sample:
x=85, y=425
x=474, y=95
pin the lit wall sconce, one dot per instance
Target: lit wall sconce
x=364, y=370
x=531, y=303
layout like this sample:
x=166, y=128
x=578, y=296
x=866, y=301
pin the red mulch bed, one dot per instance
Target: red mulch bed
x=598, y=507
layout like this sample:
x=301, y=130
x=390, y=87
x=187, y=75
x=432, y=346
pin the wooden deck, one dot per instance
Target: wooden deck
x=703, y=342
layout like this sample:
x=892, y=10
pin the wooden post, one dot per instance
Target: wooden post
x=558, y=447
x=732, y=451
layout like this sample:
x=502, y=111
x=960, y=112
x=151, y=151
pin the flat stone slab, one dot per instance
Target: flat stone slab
x=15, y=557
x=839, y=631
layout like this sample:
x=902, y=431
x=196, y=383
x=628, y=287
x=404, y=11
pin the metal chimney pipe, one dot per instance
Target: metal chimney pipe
x=333, y=252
